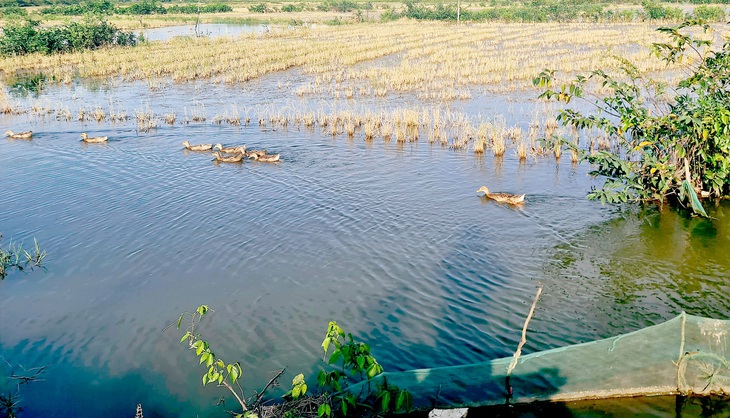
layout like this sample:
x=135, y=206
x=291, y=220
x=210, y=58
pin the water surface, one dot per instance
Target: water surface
x=388, y=239
x=213, y=30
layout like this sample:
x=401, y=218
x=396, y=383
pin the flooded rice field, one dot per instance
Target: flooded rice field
x=211, y=30
x=387, y=238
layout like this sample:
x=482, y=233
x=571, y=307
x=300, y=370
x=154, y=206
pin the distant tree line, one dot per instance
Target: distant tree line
x=554, y=10
x=106, y=7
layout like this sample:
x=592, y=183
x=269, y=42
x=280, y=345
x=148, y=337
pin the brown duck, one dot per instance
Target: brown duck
x=94, y=139
x=265, y=158
x=198, y=147
x=221, y=159
x=512, y=199
x=20, y=135
x=241, y=149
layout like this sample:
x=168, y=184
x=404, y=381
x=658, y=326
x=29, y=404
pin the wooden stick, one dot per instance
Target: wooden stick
x=517, y=354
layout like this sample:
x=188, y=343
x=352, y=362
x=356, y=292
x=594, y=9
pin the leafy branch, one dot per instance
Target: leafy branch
x=354, y=359
x=219, y=372
x=674, y=150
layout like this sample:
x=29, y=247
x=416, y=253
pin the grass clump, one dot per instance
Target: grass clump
x=17, y=257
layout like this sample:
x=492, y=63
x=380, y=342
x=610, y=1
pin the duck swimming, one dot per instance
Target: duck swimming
x=95, y=139
x=221, y=159
x=19, y=135
x=198, y=147
x=512, y=199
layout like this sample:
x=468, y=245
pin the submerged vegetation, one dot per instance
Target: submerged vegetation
x=15, y=257
x=674, y=150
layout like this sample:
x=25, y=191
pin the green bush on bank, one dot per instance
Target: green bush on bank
x=673, y=153
x=193, y=8
x=655, y=11
x=709, y=13
x=28, y=36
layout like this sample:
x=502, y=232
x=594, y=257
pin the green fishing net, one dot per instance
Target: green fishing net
x=686, y=355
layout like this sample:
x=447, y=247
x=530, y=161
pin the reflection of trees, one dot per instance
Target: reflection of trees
x=648, y=265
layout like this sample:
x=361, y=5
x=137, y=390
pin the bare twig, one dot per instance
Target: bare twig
x=271, y=382
x=517, y=354
x=27, y=379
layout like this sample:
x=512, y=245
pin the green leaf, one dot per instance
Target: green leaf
x=407, y=400
x=185, y=337
x=304, y=388
x=179, y=321
x=384, y=401
x=360, y=362
x=399, y=400
x=374, y=370
x=326, y=344
x=336, y=355
x=323, y=410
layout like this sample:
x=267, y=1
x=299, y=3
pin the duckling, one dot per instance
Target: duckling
x=259, y=152
x=241, y=149
x=512, y=199
x=95, y=139
x=235, y=159
x=265, y=158
x=19, y=135
x=199, y=147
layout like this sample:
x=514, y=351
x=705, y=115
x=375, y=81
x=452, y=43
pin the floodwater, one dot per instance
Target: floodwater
x=212, y=30
x=389, y=240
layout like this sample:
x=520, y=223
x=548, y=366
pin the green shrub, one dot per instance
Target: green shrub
x=258, y=8
x=144, y=8
x=389, y=15
x=292, y=8
x=665, y=153
x=341, y=5
x=655, y=11
x=13, y=11
x=194, y=8
x=29, y=37
x=709, y=13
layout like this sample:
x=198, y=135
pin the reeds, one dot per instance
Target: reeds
x=5, y=106
x=146, y=119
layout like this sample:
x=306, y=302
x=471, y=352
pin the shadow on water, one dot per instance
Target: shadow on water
x=648, y=265
x=28, y=84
